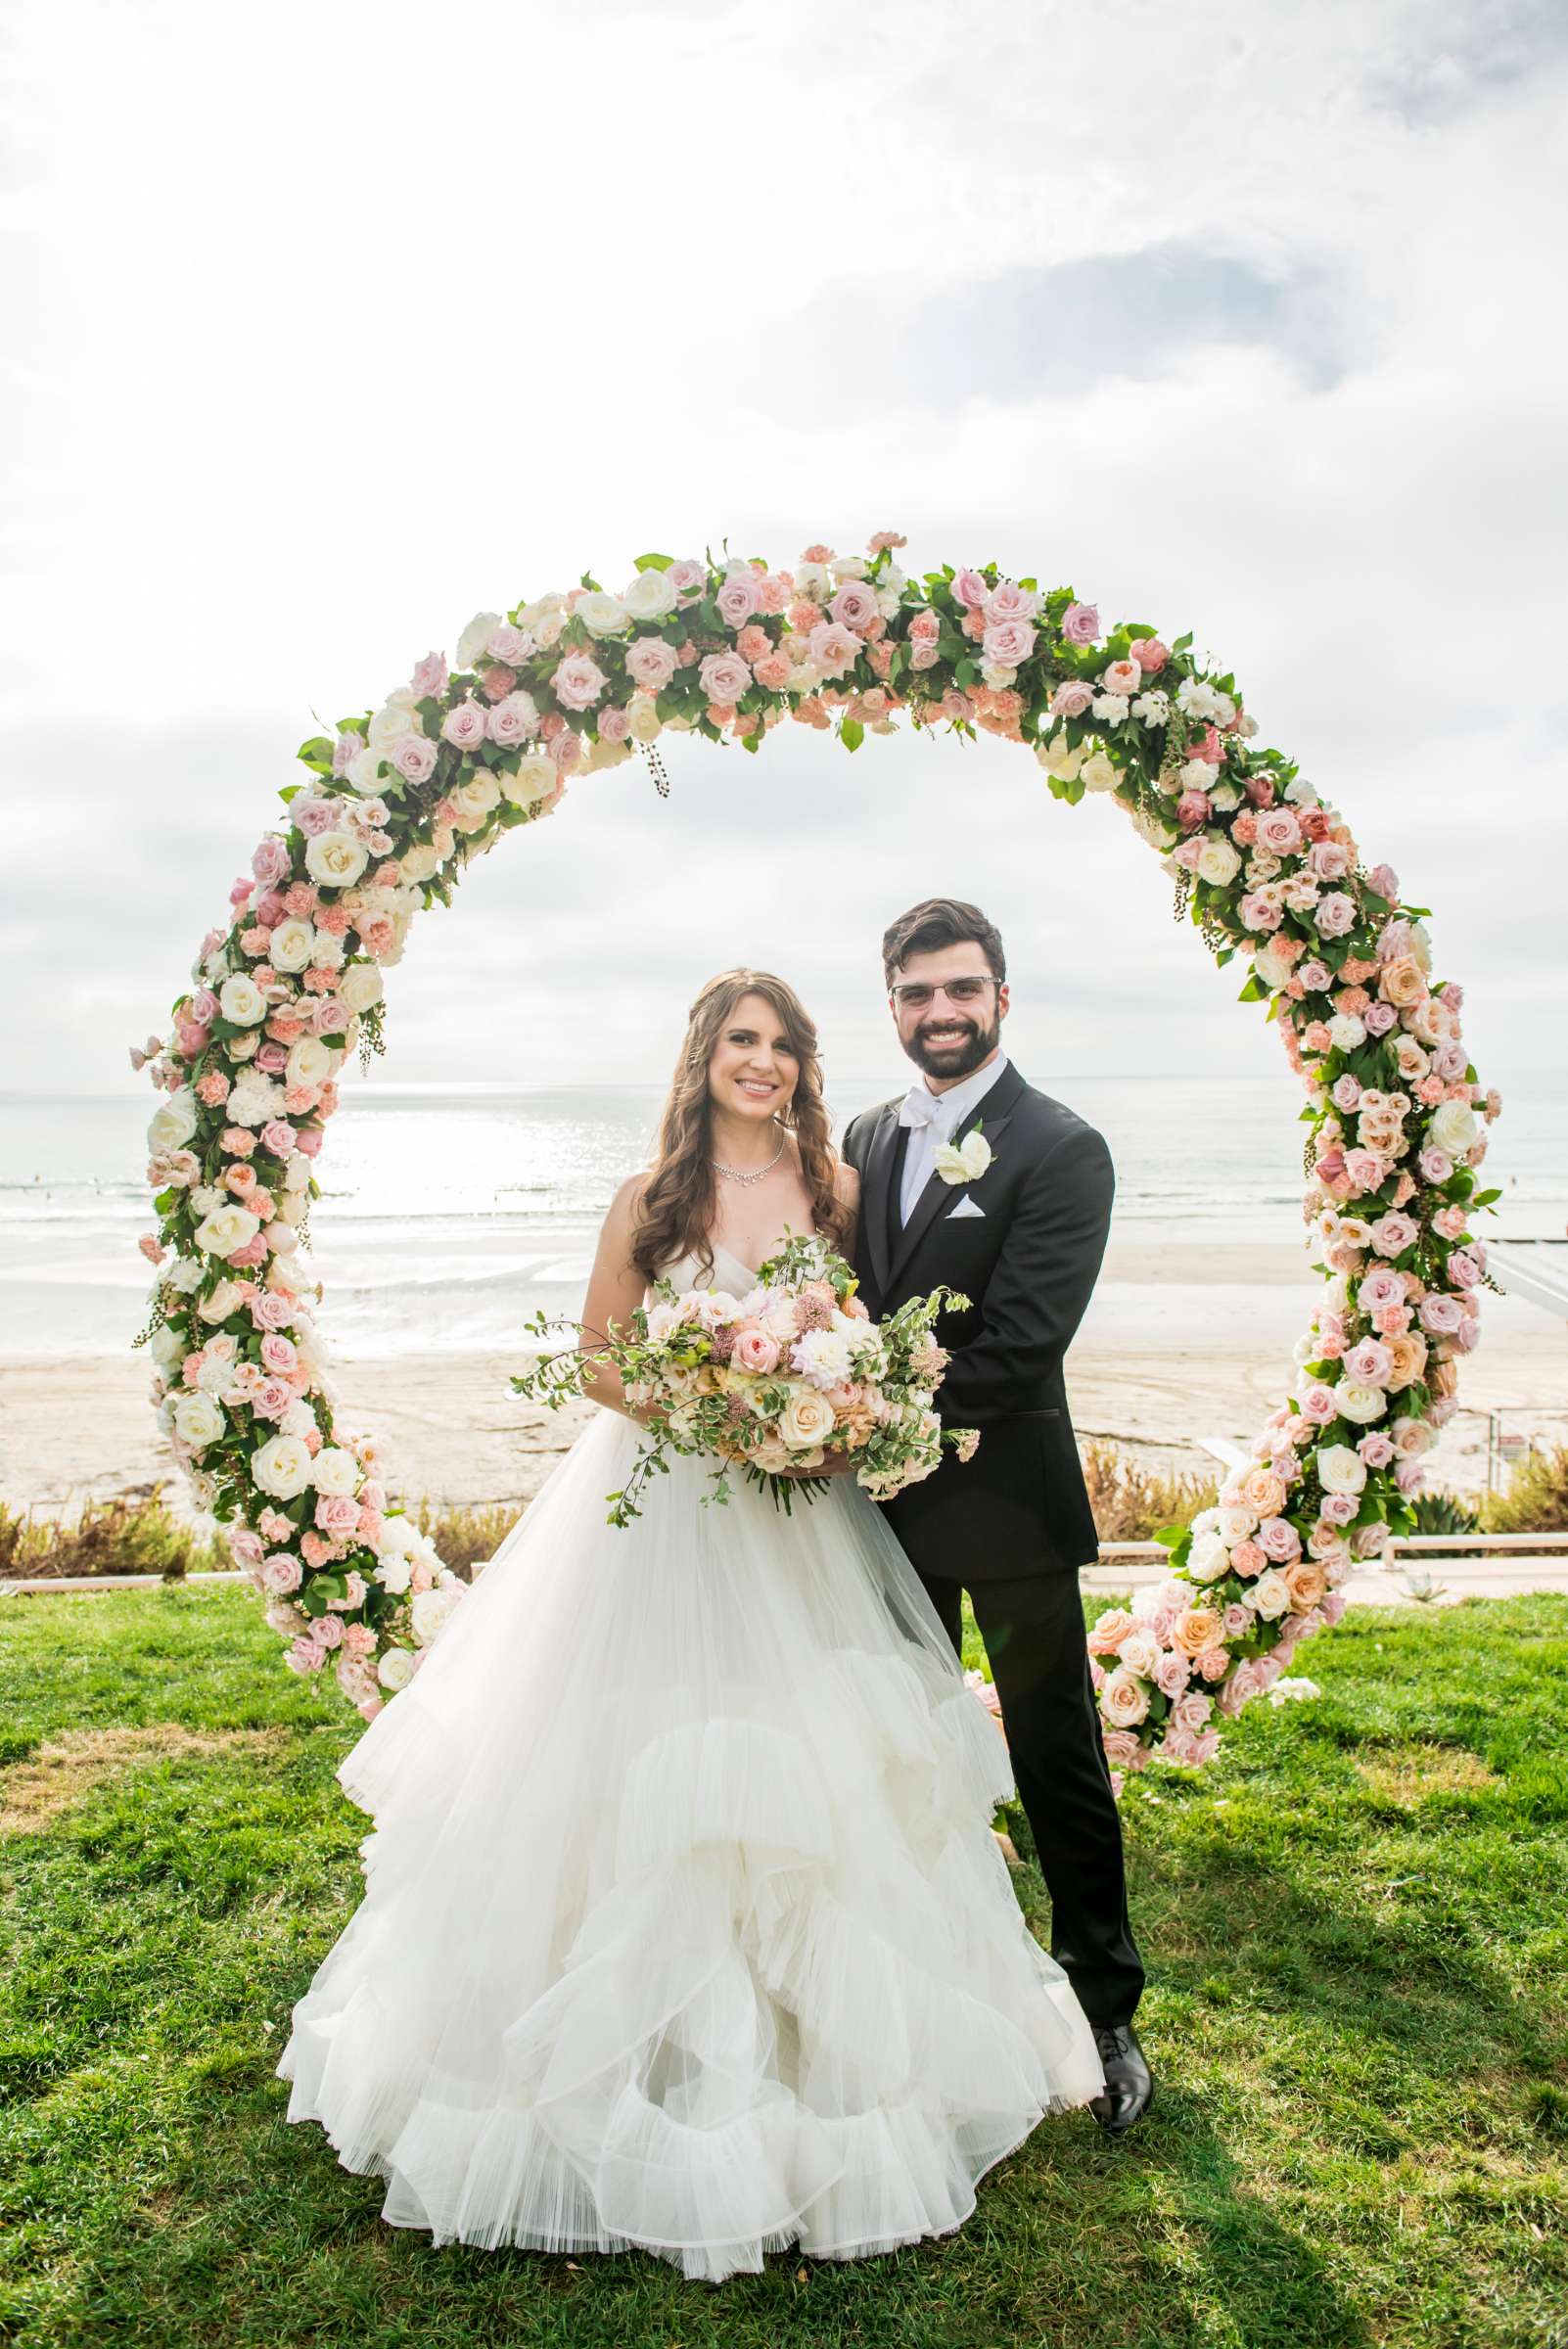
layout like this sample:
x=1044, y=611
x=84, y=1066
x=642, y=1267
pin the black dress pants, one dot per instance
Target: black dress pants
x=1034, y=1634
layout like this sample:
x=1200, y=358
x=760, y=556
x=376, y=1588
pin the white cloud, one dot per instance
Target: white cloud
x=334, y=327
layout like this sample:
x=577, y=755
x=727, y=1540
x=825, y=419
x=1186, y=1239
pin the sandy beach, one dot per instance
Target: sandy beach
x=1180, y=1344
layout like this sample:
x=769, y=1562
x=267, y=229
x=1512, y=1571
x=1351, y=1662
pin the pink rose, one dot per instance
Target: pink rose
x=514, y=720
x=579, y=681
x=723, y=676
x=650, y=662
x=511, y=646
x=737, y=598
x=1080, y=624
x=1334, y=914
x=1008, y=643
x=1071, y=697
x=855, y=606
x=430, y=677
x=832, y=648
x=1279, y=831
x=1171, y=1672
x=464, y=725
x=969, y=588
x=1150, y=654
x=414, y=756
x=755, y=1351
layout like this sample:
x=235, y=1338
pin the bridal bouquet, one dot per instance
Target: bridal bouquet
x=772, y=1381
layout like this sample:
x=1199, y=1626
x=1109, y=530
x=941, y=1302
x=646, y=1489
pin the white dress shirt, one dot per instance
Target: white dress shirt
x=934, y=1119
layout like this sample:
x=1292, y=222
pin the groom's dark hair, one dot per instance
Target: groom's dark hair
x=940, y=922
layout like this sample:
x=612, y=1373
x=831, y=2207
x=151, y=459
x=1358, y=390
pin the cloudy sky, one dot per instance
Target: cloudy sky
x=331, y=324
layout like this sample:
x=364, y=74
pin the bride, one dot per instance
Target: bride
x=684, y=1925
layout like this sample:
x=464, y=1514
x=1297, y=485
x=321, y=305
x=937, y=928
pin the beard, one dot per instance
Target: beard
x=965, y=1052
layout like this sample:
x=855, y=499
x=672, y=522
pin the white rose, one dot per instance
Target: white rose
x=476, y=636
x=1270, y=1594
x=282, y=1468
x=241, y=1000
x=1362, y=1404
x=293, y=945
x=1207, y=1559
x=1140, y=1652
x=336, y=859
x=226, y=1229
x=536, y=775
x=807, y=1420
x=396, y=1668
x=650, y=596
x=1235, y=1525
x=336, y=1470
x=643, y=722
x=389, y=726
x=173, y=1121
x=474, y=800
x=1452, y=1127
x=219, y=1303
x=299, y=1419
x=199, y=1420
x=418, y=862
x=600, y=613
x=1124, y=1700
x=965, y=1161
x=1100, y=774
x=309, y=1062
x=1218, y=864
x=429, y=1609
x=1272, y=968
x=364, y=772
x=362, y=986
x=1058, y=758
x=187, y=1276
x=166, y=1346
x=1341, y=1470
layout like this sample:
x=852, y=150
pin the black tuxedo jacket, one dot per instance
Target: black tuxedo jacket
x=1029, y=1261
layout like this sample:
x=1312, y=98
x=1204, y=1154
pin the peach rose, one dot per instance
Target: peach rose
x=1196, y=1630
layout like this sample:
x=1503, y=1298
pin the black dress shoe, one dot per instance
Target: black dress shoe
x=1129, y=2082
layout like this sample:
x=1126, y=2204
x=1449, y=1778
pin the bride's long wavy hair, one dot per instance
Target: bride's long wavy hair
x=678, y=1202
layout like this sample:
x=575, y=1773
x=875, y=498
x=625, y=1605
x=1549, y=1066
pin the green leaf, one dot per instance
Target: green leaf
x=1485, y=1198
x=753, y=741
x=851, y=734
x=1254, y=991
x=654, y=562
x=290, y=790
x=316, y=754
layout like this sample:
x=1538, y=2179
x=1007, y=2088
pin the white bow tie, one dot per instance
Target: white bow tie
x=922, y=1108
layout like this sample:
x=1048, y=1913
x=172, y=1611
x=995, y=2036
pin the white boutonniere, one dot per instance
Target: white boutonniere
x=965, y=1161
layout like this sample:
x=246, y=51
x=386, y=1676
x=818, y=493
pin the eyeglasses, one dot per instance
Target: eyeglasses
x=914, y=994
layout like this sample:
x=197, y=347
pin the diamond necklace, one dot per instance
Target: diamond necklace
x=735, y=1175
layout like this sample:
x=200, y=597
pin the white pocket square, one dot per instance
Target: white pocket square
x=965, y=1207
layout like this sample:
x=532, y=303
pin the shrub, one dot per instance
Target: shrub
x=1131, y=1502
x=1536, y=1498
x=135, y=1532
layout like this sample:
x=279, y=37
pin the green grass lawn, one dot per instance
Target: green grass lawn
x=1356, y=1930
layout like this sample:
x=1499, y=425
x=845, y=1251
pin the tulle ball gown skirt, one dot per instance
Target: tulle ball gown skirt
x=683, y=1924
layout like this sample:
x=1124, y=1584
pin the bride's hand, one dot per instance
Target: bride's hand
x=833, y=1464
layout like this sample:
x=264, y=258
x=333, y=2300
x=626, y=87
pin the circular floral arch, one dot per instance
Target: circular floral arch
x=290, y=983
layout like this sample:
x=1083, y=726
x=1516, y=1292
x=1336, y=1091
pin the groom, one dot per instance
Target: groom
x=1020, y=1229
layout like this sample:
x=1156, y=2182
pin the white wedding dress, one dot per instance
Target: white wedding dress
x=685, y=1926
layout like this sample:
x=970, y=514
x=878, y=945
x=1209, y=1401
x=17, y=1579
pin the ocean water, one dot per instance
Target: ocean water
x=449, y=1216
